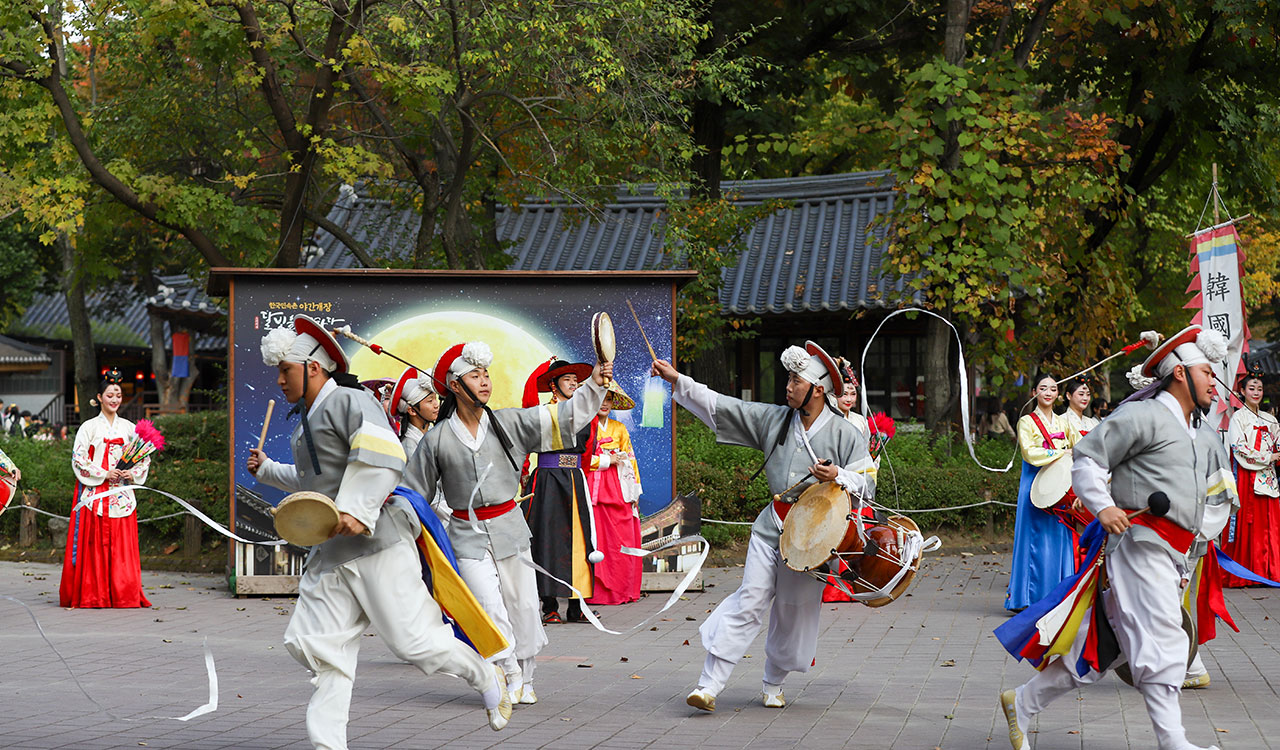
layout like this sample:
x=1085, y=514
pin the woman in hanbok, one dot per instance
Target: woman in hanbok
x=847, y=403
x=10, y=475
x=1079, y=395
x=1043, y=543
x=613, y=481
x=101, y=567
x=1252, y=538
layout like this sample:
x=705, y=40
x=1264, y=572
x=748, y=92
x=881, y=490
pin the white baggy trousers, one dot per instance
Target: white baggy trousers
x=384, y=590
x=1145, y=610
x=794, y=603
x=507, y=590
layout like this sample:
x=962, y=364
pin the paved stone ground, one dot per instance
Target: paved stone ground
x=921, y=673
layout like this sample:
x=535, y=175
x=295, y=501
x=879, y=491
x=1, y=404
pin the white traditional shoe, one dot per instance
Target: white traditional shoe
x=527, y=696
x=1017, y=737
x=498, y=717
x=773, y=701
x=1197, y=682
x=702, y=700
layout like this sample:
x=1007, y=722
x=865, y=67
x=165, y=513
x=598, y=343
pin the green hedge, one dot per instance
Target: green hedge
x=193, y=466
x=915, y=473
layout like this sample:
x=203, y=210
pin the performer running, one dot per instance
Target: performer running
x=800, y=437
x=613, y=480
x=559, y=508
x=474, y=453
x=415, y=401
x=1253, y=536
x=369, y=573
x=1043, y=545
x=1144, y=447
x=101, y=566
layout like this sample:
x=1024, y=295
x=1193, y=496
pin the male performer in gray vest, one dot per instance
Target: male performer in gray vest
x=475, y=453
x=800, y=437
x=369, y=572
x=1154, y=442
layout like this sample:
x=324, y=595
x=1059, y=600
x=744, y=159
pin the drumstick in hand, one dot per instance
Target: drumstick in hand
x=642, y=333
x=803, y=479
x=266, y=422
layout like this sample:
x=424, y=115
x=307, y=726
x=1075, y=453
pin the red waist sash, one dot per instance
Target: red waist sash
x=485, y=512
x=1177, y=537
x=781, y=509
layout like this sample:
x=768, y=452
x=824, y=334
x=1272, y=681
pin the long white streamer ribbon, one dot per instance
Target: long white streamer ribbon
x=212, y=704
x=964, y=381
x=209, y=707
x=671, y=600
x=88, y=500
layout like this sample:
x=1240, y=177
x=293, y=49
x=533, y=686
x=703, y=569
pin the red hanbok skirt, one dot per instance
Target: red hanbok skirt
x=617, y=577
x=1256, y=541
x=101, y=567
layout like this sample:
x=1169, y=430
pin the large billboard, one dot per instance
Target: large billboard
x=525, y=318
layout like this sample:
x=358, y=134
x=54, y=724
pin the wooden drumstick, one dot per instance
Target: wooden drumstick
x=266, y=422
x=642, y=333
x=803, y=479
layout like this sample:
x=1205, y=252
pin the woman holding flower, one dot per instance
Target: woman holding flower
x=101, y=567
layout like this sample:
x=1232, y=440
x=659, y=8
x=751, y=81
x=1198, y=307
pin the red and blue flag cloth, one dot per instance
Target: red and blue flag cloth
x=181, y=350
x=471, y=624
x=1049, y=627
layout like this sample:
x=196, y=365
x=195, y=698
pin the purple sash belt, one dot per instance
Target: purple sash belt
x=559, y=461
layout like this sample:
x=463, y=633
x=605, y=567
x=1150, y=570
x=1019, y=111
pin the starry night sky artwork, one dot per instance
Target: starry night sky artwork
x=524, y=319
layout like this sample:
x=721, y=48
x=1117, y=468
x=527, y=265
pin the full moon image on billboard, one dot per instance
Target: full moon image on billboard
x=423, y=338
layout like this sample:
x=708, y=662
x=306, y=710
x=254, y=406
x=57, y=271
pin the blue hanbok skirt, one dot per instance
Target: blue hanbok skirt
x=1043, y=549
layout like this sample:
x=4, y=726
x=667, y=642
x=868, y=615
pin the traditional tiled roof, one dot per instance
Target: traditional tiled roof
x=814, y=254
x=17, y=353
x=119, y=317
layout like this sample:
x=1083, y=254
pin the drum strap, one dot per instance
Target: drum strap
x=1048, y=439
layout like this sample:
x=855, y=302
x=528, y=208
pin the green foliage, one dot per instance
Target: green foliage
x=27, y=270
x=973, y=235
x=915, y=472
x=192, y=466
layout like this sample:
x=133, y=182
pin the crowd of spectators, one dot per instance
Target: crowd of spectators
x=15, y=422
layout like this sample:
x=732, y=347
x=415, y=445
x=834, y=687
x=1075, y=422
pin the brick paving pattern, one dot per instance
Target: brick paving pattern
x=921, y=673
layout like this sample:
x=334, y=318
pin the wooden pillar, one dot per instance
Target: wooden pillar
x=27, y=529
x=191, y=532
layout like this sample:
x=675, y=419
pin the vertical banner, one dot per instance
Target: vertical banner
x=1216, y=265
x=181, y=350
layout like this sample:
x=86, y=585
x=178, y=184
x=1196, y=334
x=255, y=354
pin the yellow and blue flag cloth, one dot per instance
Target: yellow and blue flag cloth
x=471, y=624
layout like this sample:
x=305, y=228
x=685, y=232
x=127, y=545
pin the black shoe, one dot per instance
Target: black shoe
x=577, y=616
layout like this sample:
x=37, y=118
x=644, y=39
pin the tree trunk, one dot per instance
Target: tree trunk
x=82, y=353
x=937, y=378
x=707, y=122
x=708, y=137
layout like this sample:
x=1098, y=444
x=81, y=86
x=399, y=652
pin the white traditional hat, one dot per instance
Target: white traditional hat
x=814, y=365
x=307, y=342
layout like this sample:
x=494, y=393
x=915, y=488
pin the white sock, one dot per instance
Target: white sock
x=772, y=690
x=492, y=695
x=1021, y=713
